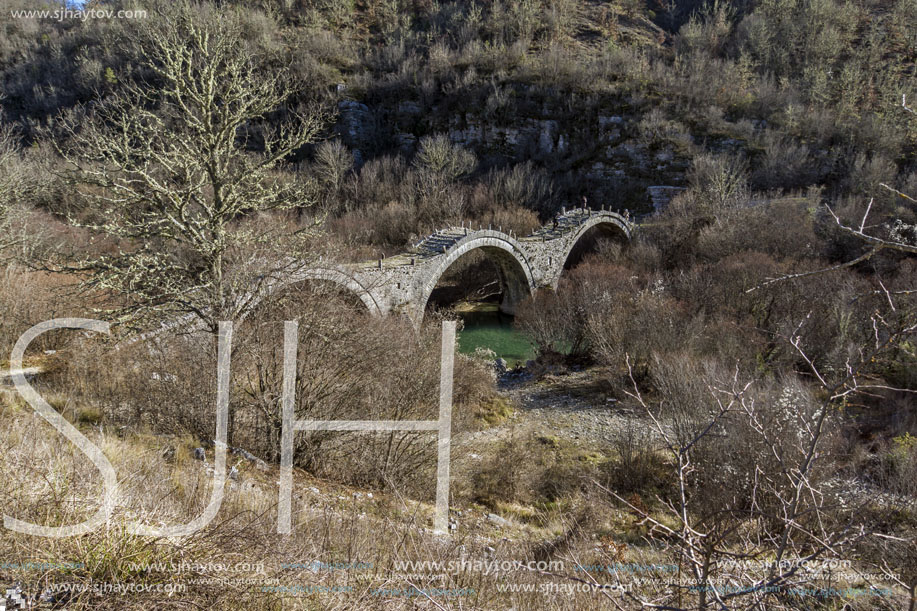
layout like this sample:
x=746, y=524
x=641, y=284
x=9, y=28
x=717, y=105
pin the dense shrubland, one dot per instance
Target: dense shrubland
x=777, y=404
x=766, y=339
x=819, y=110
x=350, y=366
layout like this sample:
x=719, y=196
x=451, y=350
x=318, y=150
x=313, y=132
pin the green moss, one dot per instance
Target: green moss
x=494, y=412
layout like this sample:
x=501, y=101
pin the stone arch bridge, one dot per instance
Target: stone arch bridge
x=404, y=283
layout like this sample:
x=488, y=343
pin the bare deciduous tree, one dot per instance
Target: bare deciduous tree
x=759, y=450
x=791, y=515
x=440, y=164
x=11, y=181
x=175, y=171
x=896, y=236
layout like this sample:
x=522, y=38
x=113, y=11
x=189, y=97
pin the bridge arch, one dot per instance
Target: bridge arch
x=339, y=278
x=516, y=279
x=608, y=224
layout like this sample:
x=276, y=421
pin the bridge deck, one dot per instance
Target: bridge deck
x=441, y=241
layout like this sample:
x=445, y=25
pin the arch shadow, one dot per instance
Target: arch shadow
x=590, y=234
x=516, y=280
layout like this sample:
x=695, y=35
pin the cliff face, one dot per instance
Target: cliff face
x=607, y=98
x=603, y=149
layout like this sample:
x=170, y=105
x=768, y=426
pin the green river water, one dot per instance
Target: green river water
x=485, y=326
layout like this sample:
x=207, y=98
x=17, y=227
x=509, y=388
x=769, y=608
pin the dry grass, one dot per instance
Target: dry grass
x=46, y=480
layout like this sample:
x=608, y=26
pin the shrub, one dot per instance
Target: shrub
x=441, y=162
x=638, y=465
x=718, y=184
x=559, y=321
x=350, y=366
x=786, y=165
x=527, y=468
x=522, y=185
x=656, y=130
x=28, y=298
x=707, y=31
x=638, y=323
x=548, y=320
x=781, y=229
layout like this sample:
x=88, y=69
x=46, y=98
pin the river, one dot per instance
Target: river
x=486, y=327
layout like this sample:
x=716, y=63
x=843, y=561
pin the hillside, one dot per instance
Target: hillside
x=677, y=241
